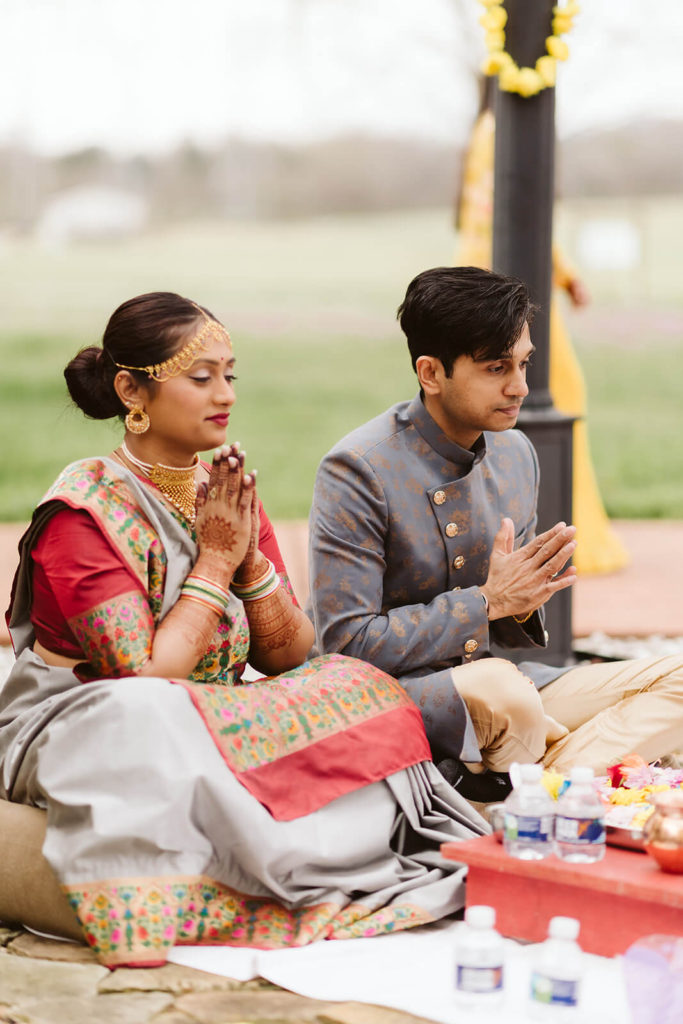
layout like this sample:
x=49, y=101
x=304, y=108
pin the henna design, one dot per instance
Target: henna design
x=266, y=618
x=194, y=625
x=216, y=532
x=247, y=573
x=248, y=568
x=284, y=638
x=272, y=621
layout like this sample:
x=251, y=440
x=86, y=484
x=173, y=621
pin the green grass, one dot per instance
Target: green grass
x=313, y=395
x=311, y=307
x=634, y=425
x=296, y=397
x=39, y=427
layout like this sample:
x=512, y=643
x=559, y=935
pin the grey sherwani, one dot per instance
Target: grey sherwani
x=401, y=531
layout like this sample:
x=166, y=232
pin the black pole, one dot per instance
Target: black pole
x=524, y=184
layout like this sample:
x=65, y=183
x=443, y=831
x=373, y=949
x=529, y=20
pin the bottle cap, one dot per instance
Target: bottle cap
x=563, y=928
x=480, y=916
x=530, y=772
x=581, y=773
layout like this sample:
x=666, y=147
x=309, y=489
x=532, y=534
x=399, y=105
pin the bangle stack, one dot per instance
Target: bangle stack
x=206, y=592
x=259, y=588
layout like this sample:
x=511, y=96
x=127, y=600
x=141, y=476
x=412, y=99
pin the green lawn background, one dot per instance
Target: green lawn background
x=311, y=308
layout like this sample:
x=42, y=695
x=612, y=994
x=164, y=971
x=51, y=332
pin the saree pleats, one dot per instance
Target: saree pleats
x=268, y=814
x=156, y=842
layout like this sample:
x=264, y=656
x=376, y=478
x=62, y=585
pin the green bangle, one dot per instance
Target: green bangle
x=198, y=588
x=260, y=588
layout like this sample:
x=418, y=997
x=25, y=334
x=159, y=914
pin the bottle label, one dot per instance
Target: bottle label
x=580, y=831
x=478, y=979
x=529, y=828
x=554, y=991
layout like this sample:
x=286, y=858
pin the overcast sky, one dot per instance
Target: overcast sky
x=141, y=75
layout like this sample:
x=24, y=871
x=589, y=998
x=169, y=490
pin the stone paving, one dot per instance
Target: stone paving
x=50, y=982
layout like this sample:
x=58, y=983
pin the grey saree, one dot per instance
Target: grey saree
x=267, y=814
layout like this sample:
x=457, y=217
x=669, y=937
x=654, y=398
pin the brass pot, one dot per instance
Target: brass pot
x=663, y=831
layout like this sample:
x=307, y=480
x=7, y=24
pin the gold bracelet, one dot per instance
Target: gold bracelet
x=525, y=619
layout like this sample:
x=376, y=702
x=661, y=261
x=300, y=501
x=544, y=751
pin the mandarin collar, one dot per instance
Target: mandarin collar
x=436, y=439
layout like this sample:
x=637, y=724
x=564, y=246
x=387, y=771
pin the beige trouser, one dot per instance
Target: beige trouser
x=607, y=710
x=509, y=720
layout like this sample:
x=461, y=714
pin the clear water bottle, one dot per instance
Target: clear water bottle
x=528, y=816
x=580, y=820
x=479, y=956
x=556, y=973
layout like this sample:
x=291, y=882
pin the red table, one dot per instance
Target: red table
x=617, y=900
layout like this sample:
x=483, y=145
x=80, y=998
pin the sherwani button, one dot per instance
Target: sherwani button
x=458, y=562
x=439, y=497
x=471, y=646
x=452, y=530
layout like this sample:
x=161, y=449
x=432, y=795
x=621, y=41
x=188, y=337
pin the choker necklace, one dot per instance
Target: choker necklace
x=177, y=483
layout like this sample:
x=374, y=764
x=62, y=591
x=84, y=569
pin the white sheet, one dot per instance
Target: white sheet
x=410, y=971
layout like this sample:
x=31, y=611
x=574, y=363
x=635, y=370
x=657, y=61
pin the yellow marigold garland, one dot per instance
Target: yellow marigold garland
x=511, y=78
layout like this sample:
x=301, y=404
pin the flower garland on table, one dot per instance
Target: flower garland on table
x=512, y=78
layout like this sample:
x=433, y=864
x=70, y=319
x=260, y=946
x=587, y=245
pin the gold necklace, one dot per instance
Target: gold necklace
x=177, y=483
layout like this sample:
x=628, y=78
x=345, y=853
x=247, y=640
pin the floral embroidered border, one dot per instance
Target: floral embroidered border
x=226, y=656
x=116, y=636
x=137, y=920
x=89, y=485
x=260, y=723
x=305, y=738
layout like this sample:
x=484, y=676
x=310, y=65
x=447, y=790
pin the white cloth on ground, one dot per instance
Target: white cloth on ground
x=411, y=971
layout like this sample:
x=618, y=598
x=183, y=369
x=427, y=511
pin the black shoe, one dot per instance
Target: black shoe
x=485, y=788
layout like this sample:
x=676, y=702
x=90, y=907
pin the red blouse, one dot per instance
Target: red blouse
x=75, y=569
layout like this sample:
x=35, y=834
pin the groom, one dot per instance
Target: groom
x=423, y=553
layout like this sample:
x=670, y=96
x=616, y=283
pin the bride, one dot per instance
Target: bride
x=183, y=805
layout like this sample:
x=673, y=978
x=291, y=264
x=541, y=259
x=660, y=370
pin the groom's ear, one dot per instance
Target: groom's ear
x=430, y=373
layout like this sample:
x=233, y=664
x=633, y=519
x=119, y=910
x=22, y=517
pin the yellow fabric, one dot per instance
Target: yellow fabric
x=563, y=272
x=599, y=550
x=475, y=215
x=507, y=713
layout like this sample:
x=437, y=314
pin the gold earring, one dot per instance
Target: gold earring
x=137, y=420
